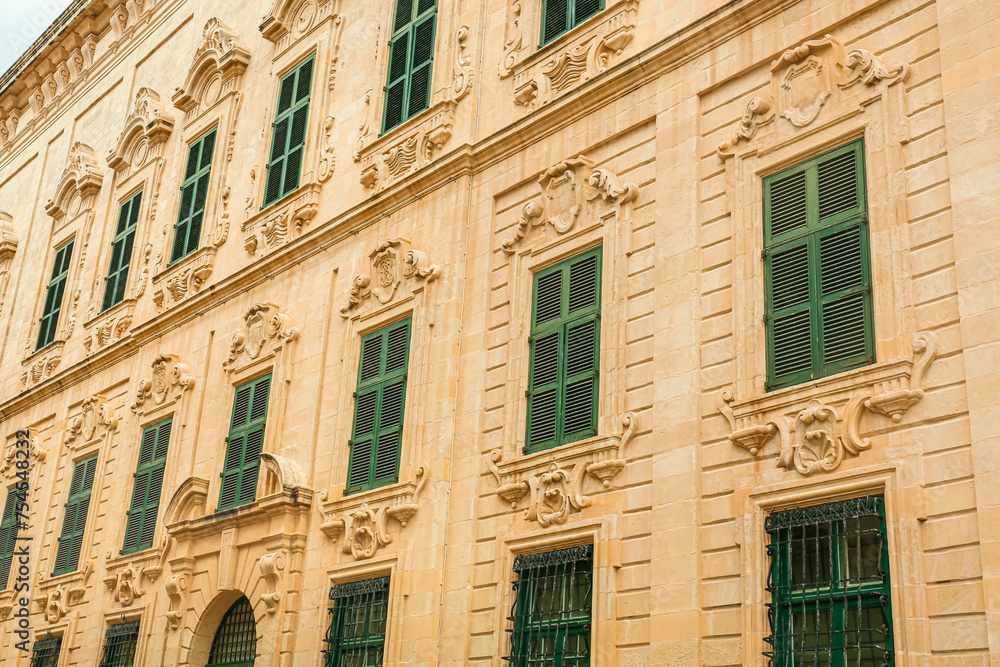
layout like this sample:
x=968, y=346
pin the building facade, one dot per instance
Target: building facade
x=529, y=332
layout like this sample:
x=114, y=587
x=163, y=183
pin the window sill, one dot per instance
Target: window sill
x=185, y=276
x=41, y=364
x=282, y=222
x=109, y=326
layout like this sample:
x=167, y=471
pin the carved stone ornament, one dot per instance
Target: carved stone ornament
x=176, y=588
x=554, y=483
x=81, y=181
x=366, y=529
x=126, y=585
x=327, y=160
x=264, y=331
x=96, y=419
x=16, y=465
x=168, y=381
x=391, y=262
x=219, y=63
x=55, y=599
x=111, y=328
x=146, y=128
x=464, y=71
x=567, y=188
x=807, y=79
x=183, y=279
x=276, y=226
x=41, y=365
x=8, y=247
x=289, y=20
x=406, y=149
x=818, y=437
x=271, y=566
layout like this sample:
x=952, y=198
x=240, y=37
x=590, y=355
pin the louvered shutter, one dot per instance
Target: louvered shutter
x=584, y=9
x=8, y=536
x=194, y=194
x=817, y=275
x=144, y=507
x=379, y=408
x=559, y=16
x=245, y=444
x=411, y=56
x=565, y=353
x=121, y=251
x=284, y=167
x=75, y=518
x=54, y=295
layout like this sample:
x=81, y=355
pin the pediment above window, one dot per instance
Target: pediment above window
x=294, y=18
x=219, y=63
x=146, y=128
x=80, y=181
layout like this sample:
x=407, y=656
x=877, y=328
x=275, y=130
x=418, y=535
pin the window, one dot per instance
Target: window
x=816, y=268
x=284, y=166
x=235, y=642
x=243, y=446
x=54, y=295
x=75, y=519
x=119, y=645
x=148, y=484
x=565, y=353
x=559, y=16
x=829, y=585
x=357, y=623
x=552, y=608
x=194, y=192
x=9, y=526
x=378, y=411
x=411, y=55
x=45, y=652
x=121, y=251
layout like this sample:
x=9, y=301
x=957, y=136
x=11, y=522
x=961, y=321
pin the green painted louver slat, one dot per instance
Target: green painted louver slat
x=245, y=444
x=284, y=166
x=565, y=353
x=121, y=251
x=379, y=408
x=411, y=58
x=817, y=268
x=8, y=536
x=145, y=504
x=54, y=295
x=194, y=194
x=560, y=16
x=75, y=518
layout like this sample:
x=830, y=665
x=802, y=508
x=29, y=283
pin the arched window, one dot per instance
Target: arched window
x=235, y=643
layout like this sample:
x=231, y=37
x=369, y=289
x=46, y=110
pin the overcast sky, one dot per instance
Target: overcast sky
x=22, y=22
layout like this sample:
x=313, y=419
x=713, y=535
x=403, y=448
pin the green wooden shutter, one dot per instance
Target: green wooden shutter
x=378, y=413
x=147, y=488
x=194, y=193
x=411, y=58
x=288, y=140
x=8, y=536
x=565, y=353
x=244, y=444
x=559, y=16
x=75, y=519
x=121, y=251
x=54, y=295
x=816, y=268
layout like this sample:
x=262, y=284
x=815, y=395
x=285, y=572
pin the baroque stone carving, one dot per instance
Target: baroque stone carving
x=111, y=328
x=126, y=584
x=805, y=80
x=55, y=600
x=391, y=261
x=8, y=247
x=163, y=385
x=406, y=150
x=271, y=566
x=11, y=470
x=176, y=587
x=567, y=187
x=41, y=365
x=264, y=328
x=183, y=279
x=290, y=19
x=464, y=72
x=81, y=180
x=327, y=161
x=146, y=128
x=96, y=419
x=273, y=227
x=219, y=63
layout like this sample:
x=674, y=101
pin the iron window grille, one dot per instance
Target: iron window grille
x=356, y=636
x=45, y=652
x=119, y=645
x=550, y=618
x=235, y=642
x=829, y=585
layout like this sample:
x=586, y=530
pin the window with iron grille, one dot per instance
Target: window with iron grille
x=565, y=353
x=559, y=16
x=9, y=526
x=121, y=251
x=45, y=652
x=829, y=585
x=75, y=518
x=235, y=642
x=356, y=636
x=119, y=645
x=378, y=411
x=194, y=193
x=148, y=486
x=243, y=446
x=54, y=296
x=288, y=139
x=411, y=57
x=551, y=614
x=818, y=310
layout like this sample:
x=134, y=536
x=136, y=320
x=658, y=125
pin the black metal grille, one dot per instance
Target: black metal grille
x=119, y=645
x=551, y=615
x=356, y=637
x=829, y=586
x=45, y=652
x=235, y=642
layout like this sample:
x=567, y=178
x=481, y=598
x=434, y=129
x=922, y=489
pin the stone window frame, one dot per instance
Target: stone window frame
x=112, y=618
x=399, y=591
x=68, y=232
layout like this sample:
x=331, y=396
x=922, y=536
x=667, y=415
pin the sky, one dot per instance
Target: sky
x=21, y=22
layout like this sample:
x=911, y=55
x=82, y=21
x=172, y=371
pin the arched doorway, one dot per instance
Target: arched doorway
x=235, y=642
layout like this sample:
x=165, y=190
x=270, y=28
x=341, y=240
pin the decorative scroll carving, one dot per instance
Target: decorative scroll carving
x=176, y=587
x=8, y=247
x=464, y=72
x=264, y=329
x=327, y=161
x=109, y=329
x=126, y=584
x=281, y=474
x=566, y=189
x=146, y=128
x=289, y=20
x=96, y=419
x=804, y=81
x=391, y=261
x=41, y=365
x=168, y=381
x=218, y=66
x=512, y=44
x=10, y=471
x=275, y=227
x=184, y=278
x=55, y=599
x=271, y=567
x=81, y=180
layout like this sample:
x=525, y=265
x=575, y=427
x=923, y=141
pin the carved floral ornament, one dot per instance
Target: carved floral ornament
x=96, y=419
x=219, y=63
x=167, y=383
x=264, y=331
x=54, y=601
x=555, y=488
x=818, y=437
x=804, y=81
x=391, y=262
x=567, y=188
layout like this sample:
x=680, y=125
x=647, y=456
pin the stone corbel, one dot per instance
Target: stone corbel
x=96, y=419
x=605, y=471
x=751, y=437
x=41, y=365
x=272, y=566
x=758, y=113
x=895, y=401
x=126, y=584
x=163, y=385
x=390, y=262
x=862, y=66
x=176, y=588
